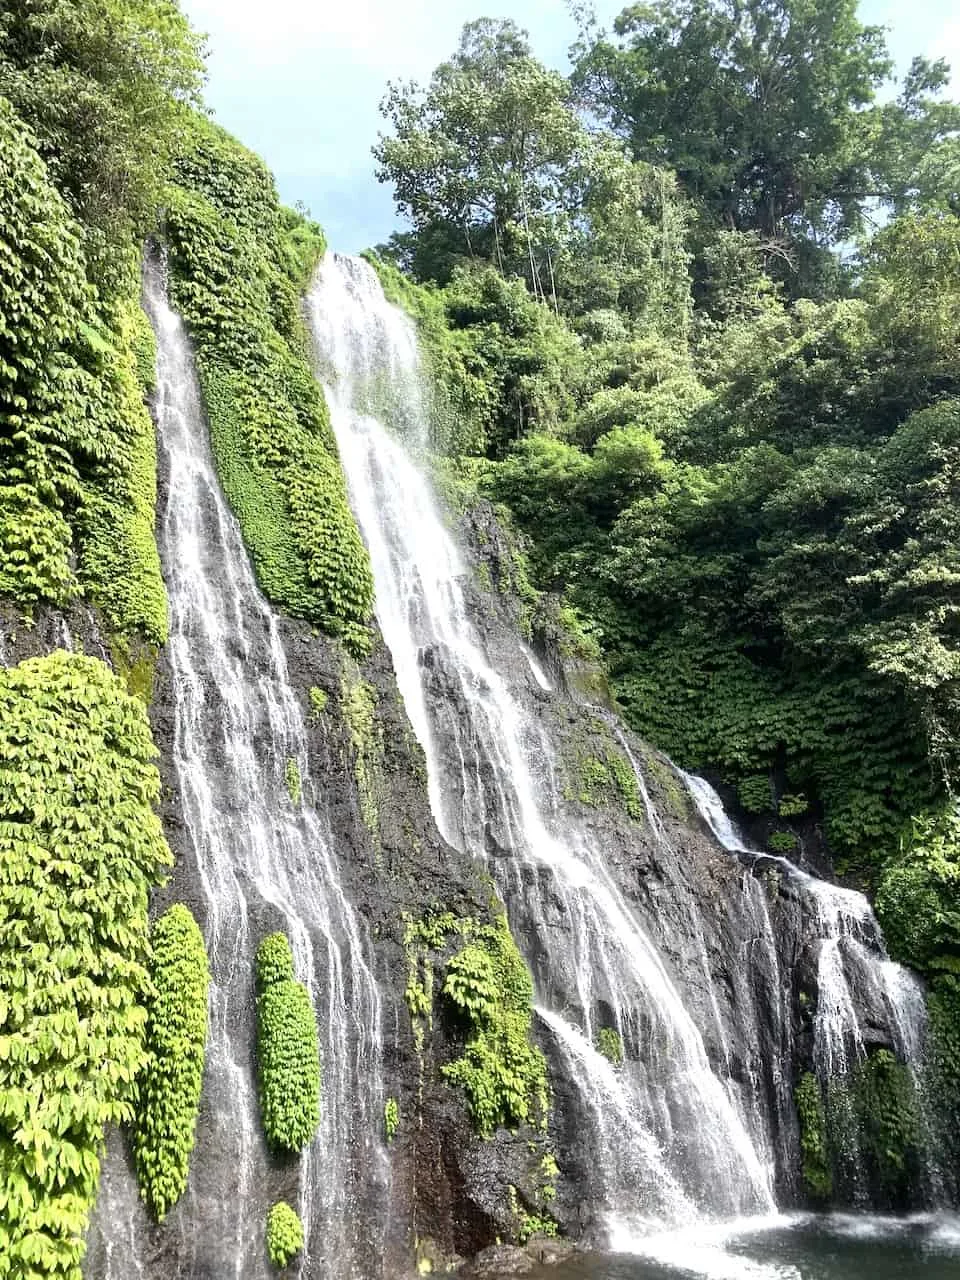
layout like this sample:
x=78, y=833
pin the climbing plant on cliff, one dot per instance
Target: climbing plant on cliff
x=80, y=847
x=168, y=1089
x=238, y=264
x=489, y=994
x=77, y=455
x=288, y=1054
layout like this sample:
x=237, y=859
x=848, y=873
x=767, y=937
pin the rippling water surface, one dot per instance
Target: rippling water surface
x=797, y=1247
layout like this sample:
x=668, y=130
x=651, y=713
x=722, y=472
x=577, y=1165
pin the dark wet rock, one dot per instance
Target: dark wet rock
x=499, y=1260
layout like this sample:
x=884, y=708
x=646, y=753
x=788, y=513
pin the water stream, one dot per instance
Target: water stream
x=669, y=1143
x=853, y=969
x=262, y=862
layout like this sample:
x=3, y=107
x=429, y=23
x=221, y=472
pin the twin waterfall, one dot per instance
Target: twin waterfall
x=699, y=1119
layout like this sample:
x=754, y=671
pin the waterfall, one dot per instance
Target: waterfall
x=854, y=975
x=665, y=1141
x=261, y=862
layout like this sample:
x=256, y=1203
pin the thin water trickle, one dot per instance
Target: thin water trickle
x=262, y=862
x=683, y=1149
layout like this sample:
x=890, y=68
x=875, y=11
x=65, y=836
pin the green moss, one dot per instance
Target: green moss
x=391, y=1118
x=609, y=780
x=80, y=847
x=238, y=263
x=886, y=1111
x=609, y=1043
x=527, y=1223
x=358, y=705
x=782, y=842
x=676, y=796
x=168, y=1089
x=815, y=1166
x=284, y=1234
x=288, y=1052
x=294, y=784
x=318, y=701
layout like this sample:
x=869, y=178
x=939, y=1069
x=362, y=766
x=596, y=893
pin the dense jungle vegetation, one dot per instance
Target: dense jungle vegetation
x=694, y=316
x=712, y=373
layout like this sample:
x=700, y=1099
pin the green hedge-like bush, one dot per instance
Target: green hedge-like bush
x=78, y=458
x=288, y=1052
x=169, y=1085
x=274, y=961
x=80, y=847
x=238, y=263
x=284, y=1234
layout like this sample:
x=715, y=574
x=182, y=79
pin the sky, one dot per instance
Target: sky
x=300, y=81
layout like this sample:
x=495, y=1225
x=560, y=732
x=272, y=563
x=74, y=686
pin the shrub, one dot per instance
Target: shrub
x=610, y=1045
x=78, y=490
x=284, y=1234
x=274, y=961
x=503, y=1073
x=170, y=1082
x=80, y=847
x=288, y=1053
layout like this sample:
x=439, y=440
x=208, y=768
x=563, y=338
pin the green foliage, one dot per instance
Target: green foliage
x=78, y=452
x=318, y=701
x=942, y=1091
x=754, y=794
x=527, y=1223
x=80, y=847
x=489, y=992
x=792, y=806
x=284, y=1234
x=886, y=1111
x=817, y=1175
x=168, y=1088
x=288, y=1052
x=608, y=781
x=358, y=706
x=391, y=1118
x=782, y=83
x=609, y=1043
x=100, y=83
x=293, y=781
x=237, y=263
x=503, y=1074
x=273, y=962
x=782, y=842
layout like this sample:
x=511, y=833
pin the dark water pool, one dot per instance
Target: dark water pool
x=839, y=1247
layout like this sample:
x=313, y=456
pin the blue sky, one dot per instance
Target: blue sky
x=300, y=81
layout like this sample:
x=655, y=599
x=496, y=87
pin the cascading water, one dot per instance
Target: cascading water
x=669, y=1144
x=264, y=862
x=851, y=952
